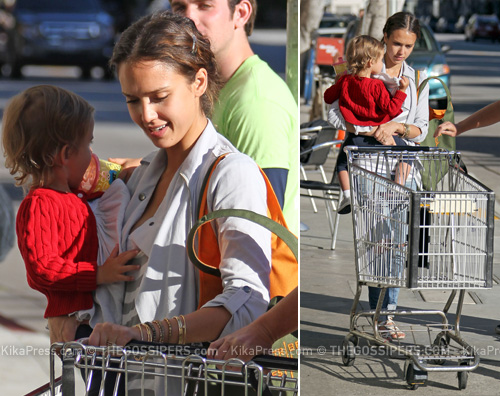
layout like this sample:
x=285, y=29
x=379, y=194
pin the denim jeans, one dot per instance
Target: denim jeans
x=399, y=231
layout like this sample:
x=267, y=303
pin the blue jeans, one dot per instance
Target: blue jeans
x=400, y=231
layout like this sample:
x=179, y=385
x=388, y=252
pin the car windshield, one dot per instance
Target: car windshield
x=57, y=6
x=425, y=43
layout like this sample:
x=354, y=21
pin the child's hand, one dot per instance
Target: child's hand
x=115, y=267
x=128, y=165
x=403, y=83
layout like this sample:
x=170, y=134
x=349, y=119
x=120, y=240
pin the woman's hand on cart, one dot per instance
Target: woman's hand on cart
x=243, y=344
x=106, y=334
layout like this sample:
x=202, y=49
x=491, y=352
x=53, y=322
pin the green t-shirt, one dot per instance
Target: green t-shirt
x=258, y=114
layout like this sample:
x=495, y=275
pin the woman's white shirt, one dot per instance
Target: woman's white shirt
x=170, y=283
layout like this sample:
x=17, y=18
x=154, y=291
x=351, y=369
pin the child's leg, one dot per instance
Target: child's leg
x=403, y=169
x=344, y=182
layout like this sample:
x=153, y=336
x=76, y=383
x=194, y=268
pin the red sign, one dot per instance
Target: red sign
x=329, y=50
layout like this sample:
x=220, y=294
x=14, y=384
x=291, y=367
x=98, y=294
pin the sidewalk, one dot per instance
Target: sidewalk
x=328, y=284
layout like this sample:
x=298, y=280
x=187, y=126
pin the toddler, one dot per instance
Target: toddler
x=365, y=101
x=46, y=134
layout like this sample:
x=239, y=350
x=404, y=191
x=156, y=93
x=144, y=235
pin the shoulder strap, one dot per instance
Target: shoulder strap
x=276, y=228
x=417, y=80
x=202, y=201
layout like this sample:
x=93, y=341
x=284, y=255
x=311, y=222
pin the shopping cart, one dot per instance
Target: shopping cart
x=436, y=235
x=181, y=369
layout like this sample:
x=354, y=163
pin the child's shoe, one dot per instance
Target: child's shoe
x=345, y=206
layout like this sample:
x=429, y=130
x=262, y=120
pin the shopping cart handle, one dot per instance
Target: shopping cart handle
x=277, y=362
x=199, y=349
x=377, y=149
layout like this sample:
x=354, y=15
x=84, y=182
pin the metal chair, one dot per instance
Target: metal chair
x=317, y=154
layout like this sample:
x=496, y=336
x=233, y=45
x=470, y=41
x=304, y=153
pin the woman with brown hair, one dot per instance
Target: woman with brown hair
x=169, y=78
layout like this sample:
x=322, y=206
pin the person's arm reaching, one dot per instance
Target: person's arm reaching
x=259, y=336
x=484, y=117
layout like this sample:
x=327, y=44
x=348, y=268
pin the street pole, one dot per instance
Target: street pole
x=292, y=48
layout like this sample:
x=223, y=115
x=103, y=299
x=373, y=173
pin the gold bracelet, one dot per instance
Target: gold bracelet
x=185, y=327
x=153, y=330
x=181, y=330
x=162, y=334
x=406, y=132
x=148, y=331
x=169, y=327
x=139, y=326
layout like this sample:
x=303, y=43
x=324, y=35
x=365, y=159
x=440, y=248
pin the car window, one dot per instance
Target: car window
x=83, y=6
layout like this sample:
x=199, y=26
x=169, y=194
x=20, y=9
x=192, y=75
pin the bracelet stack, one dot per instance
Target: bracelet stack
x=151, y=330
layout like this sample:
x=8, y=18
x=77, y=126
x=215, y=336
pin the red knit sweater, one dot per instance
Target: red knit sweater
x=364, y=101
x=57, y=237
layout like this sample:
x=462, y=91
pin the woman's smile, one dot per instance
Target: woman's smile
x=159, y=131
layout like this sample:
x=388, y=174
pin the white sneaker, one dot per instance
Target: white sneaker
x=345, y=206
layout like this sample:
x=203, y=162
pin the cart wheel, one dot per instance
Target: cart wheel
x=440, y=345
x=348, y=352
x=462, y=379
x=354, y=338
x=414, y=377
x=463, y=376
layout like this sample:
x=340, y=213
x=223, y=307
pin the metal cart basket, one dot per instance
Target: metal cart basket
x=435, y=234
x=181, y=369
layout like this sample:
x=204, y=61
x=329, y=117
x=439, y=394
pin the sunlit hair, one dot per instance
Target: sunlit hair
x=402, y=20
x=173, y=40
x=251, y=21
x=36, y=125
x=360, y=50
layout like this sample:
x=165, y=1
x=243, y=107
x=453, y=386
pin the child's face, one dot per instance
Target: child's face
x=378, y=65
x=163, y=103
x=79, y=159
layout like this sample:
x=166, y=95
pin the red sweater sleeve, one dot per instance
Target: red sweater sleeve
x=60, y=253
x=333, y=93
x=390, y=105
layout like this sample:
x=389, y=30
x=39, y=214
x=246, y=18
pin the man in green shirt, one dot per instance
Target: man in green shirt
x=256, y=110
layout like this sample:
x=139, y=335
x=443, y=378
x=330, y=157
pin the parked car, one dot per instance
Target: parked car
x=60, y=32
x=427, y=55
x=429, y=20
x=332, y=25
x=445, y=25
x=482, y=26
x=460, y=25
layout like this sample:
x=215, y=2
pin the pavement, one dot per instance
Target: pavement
x=328, y=285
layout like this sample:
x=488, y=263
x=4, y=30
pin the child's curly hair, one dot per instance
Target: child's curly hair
x=360, y=50
x=37, y=124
